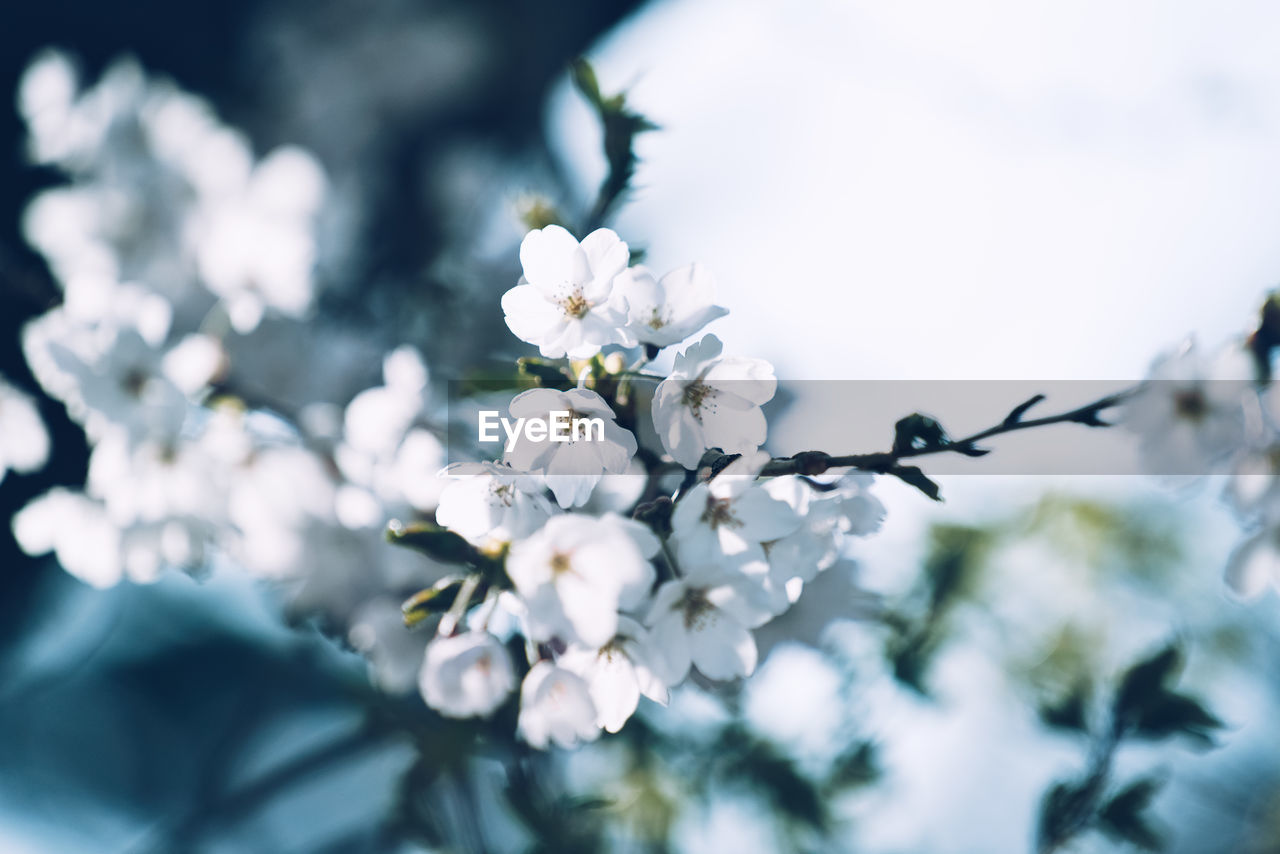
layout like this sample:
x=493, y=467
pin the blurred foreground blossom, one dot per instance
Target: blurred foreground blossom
x=24, y=442
x=556, y=708
x=466, y=675
x=1190, y=414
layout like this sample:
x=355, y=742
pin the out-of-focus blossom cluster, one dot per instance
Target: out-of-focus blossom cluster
x=619, y=563
x=1200, y=414
x=172, y=245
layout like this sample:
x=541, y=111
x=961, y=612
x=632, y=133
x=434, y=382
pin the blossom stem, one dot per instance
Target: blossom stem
x=638, y=374
x=449, y=623
x=669, y=558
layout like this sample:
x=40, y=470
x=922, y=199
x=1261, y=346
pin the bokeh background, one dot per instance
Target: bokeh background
x=988, y=190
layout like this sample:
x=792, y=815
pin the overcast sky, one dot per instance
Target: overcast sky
x=944, y=191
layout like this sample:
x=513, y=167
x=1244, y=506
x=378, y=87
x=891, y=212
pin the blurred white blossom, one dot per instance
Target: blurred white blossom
x=466, y=675
x=24, y=442
x=1190, y=412
x=556, y=708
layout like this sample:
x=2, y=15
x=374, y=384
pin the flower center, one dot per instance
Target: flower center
x=1190, y=403
x=504, y=492
x=697, y=609
x=694, y=394
x=720, y=512
x=610, y=651
x=561, y=563
x=657, y=321
x=134, y=382
x=575, y=305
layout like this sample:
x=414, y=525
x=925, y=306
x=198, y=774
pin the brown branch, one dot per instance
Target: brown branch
x=811, y=463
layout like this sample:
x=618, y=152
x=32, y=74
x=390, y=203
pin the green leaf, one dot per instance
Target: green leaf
x=1147, y=706
x=1176, y=714
x=590, y=803
x=540, y=213
x=438, y=543
x=546, y=374
x=1071, y=713
x=856, y=767
x=584, y=77
x=621, y=126
x=910, y=657
x=1064, y=811
x=1145, y=681
x=436, y=599
x=1123, y=817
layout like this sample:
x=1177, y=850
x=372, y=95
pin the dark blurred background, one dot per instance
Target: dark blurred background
x=397, y=99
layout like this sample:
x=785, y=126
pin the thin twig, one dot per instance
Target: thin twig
x=816, y=462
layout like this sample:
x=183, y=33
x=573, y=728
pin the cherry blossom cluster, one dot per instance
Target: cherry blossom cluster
x=618, y=578
x=563, y=580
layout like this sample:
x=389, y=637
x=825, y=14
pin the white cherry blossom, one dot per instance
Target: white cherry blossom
x=730, y=517
x=618, y=674
x=826, y=518
x=578, y=571
x=467, y=675
x=572, y=468
x=489, y=504
x=705, y=621
x=712, y=402
x=567, y=303
x=666, y=311
x=556, y=708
